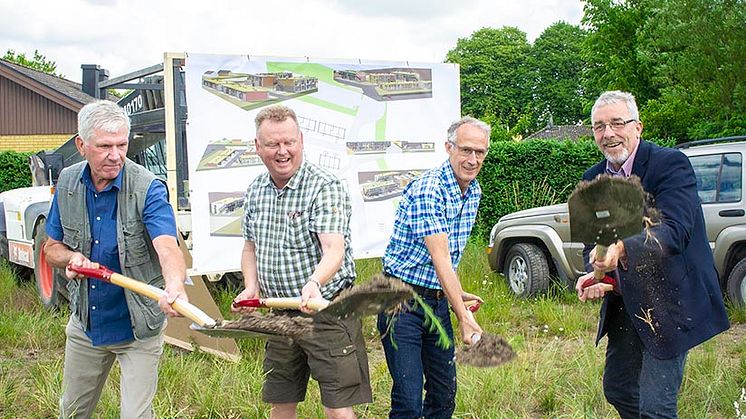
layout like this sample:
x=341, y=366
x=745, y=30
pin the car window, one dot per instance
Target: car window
x=718, y=177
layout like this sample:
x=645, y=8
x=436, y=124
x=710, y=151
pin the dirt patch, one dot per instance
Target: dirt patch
x=490, y=351
x=271, y=324
x=374, y=296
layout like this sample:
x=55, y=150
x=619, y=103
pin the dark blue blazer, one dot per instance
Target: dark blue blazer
x=671, y=276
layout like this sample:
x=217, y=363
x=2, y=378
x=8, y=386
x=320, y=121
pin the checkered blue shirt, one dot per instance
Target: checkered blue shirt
x=284, y=223
x=431, y=204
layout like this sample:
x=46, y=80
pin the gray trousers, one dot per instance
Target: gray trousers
x=87, y=367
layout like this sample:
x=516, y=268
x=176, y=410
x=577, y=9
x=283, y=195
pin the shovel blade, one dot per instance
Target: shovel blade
x=606, y=209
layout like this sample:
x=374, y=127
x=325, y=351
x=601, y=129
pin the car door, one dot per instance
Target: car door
x=720, y=187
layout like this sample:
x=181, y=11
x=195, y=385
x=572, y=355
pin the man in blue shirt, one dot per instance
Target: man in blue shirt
x=108, y=210
x=433, y=224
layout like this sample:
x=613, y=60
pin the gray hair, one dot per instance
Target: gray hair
x=614, y=96
x=277, y=113
x=470, y=121
x=101, y=115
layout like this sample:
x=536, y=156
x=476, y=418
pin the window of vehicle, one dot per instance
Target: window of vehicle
x=718, y=177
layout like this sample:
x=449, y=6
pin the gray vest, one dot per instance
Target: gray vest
x=137, y=256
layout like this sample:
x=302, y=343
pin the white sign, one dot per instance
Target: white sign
x=377, y=125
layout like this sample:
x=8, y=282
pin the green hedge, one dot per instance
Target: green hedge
x=521, y=175
x=14, y=170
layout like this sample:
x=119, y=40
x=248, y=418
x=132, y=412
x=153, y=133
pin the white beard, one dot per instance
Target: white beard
x=619, y=158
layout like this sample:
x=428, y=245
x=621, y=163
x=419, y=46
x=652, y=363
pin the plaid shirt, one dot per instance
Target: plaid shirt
x=284, y=223
x=431, y=204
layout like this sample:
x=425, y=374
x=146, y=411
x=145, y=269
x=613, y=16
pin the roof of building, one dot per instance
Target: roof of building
x=562, y=132
x=60, y=90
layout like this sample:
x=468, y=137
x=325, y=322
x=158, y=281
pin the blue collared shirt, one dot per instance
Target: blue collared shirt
x=108, y=314
x=431, y=204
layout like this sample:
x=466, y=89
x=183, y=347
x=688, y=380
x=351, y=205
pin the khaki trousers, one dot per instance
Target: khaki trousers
x=87, y=367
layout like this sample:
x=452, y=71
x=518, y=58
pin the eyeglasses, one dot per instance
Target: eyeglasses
x=274, y=146
x=467, y=151
x=616, y=125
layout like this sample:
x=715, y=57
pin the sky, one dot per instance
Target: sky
x=126, y=35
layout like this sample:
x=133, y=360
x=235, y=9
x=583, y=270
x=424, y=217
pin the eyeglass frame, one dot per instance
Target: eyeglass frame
x=468, y=151
x=600, y=127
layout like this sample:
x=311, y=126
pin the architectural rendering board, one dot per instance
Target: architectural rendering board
x=376, y=125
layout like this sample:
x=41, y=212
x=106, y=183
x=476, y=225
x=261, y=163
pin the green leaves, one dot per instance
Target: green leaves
x=39, y=62
x=14, y=170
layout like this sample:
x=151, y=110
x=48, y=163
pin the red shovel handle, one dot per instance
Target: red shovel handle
x=249, y=302
x=609, y=281
x=473, y=306
x=102, y=272
x=292, y=303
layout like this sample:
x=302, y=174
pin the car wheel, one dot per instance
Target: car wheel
x=737, y=284
x=526, y=270
x=46, y=277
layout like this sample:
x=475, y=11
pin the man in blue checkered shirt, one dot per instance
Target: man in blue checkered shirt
x=297, y=243
x=433, y=224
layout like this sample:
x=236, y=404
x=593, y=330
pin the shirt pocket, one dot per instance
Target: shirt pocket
x=297, y=234
x=72, y=236
x=135, y=247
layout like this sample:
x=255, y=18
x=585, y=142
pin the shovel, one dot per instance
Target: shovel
x=604, y=210
x=365, y=299
x=266, y=326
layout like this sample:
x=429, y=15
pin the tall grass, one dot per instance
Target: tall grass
x=557, y=373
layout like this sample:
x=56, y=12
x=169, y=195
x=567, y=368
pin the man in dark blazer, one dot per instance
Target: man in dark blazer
x=667, y=298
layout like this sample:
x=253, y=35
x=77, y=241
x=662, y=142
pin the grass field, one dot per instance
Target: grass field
x=557, y=373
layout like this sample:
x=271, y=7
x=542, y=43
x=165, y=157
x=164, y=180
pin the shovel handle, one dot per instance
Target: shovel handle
x=472, y=305
x=600, y=255
x=292, y=303
x=182, y=307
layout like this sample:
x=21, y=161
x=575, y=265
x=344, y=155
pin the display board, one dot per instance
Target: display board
x=375, y=124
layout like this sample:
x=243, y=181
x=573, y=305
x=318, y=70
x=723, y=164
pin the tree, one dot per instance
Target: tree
x=39, y=62
x=494, y=75
x=557, y=67
x=611, y=48
x=697, y=50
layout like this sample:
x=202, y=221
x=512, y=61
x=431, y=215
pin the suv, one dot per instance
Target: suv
x=533, y=246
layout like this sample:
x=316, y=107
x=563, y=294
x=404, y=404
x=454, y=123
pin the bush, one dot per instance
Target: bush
x=520, y=175
x=14, y=170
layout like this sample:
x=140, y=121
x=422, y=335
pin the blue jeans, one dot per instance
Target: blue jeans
x=416, y=354
x=636, y=383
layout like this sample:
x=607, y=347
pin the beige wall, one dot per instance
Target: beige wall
x=32, y=142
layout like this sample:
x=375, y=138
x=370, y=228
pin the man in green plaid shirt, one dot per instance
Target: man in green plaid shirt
x=296, y=229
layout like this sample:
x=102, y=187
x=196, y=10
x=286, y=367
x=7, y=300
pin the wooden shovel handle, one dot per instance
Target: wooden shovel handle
x=600, y=275
x=292, y=303
x=182, y=307
x=600, y=255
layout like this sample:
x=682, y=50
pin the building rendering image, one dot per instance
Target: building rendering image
x=250, y=91
x=389, y=83
x=378, y=186
x=383, y=147
x=226, y=154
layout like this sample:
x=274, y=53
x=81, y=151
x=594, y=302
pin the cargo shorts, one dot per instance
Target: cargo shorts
x=334, y=355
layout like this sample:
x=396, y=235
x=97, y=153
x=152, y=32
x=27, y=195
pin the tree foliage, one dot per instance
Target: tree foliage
x=697, y=51
x=494, y=74
x=557, y=67
x=39, y=62
x=682, y=59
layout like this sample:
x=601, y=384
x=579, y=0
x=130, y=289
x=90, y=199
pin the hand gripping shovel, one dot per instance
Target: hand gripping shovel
x=604, y=210
x=249, y=326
